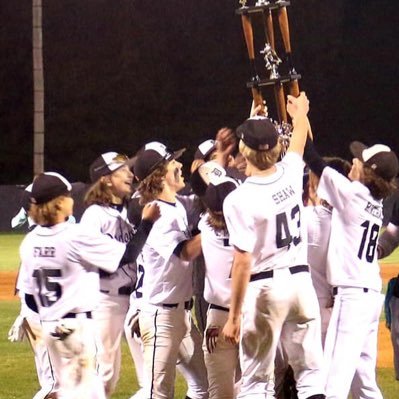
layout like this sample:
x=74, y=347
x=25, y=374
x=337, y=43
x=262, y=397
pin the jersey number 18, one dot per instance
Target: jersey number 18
x=370, y=236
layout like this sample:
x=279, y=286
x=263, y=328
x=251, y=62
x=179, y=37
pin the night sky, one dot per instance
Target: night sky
x=120, y=73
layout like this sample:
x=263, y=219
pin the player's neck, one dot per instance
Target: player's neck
x=254, y=171
x=167, y=194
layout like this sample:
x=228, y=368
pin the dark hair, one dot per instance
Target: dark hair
x=150, y=187
x=378, y=186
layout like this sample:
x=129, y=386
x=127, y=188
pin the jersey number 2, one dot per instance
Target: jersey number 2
x=49, y=291
x=370, y=235
x=284, y=235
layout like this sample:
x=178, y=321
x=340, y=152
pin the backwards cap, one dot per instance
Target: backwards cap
x=217, y=192
x=379, y=157
x=47, y=186
x=258, y=133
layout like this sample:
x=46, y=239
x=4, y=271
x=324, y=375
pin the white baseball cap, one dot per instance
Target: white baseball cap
x=379, y=157
x=107, y=163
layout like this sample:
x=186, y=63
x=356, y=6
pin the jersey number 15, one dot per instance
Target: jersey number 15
x=49, y=290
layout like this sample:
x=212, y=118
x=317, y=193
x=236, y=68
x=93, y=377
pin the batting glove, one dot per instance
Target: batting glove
x=17, y=331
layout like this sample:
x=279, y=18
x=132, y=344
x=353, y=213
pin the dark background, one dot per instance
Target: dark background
x=119, y=73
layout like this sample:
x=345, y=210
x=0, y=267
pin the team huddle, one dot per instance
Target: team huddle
x=261, y=269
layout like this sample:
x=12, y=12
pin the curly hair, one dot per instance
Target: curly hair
x=150, y=187
x=261, y=159
x=378, y=186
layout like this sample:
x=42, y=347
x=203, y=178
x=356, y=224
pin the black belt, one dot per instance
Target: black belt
x=270, y=273
x=217, y=307
x=187, y=305
x=127, y=290
x=335, y=290
x=75, y=315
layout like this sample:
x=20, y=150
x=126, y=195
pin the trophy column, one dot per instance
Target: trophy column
x=265, y=10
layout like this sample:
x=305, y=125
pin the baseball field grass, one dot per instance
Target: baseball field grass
x=18, y=379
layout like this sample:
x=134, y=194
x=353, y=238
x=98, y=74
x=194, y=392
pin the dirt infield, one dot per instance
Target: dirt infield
x=385, y=357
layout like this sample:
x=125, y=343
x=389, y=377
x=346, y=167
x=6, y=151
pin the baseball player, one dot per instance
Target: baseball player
x=167, y=331
x=221, y=357
x=59, y=278
x=272, y=291
x=107, y=214
x=353, y=271
x=27, y=324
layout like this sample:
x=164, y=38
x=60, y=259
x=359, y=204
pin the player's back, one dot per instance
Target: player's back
x=270, y=207
x=356, y=222
x=218, y=255
x=53, y=273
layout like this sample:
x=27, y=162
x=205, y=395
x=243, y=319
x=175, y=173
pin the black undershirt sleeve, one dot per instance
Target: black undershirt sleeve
x=135, y=245
x=31, y=303
x=312, y=158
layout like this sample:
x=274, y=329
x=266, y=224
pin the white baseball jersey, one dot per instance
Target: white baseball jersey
x=271, y=227
x=355, y=225
x=59, y=267
x=167, y=278
x=115, y=224
x=218, y=255
x=318, y=220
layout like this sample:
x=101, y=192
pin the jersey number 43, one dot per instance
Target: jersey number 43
x=288, y=225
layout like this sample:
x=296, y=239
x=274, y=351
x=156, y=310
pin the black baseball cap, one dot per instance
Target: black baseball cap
x=217, y=192
x=151, y=156
x=107, y=163
x=379, y=157
x=47, y=186
x=258, y=133
x=205, y=149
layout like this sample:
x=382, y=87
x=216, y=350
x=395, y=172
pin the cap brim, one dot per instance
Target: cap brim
x=357, y=148
x=130, y=162
x=177, y=154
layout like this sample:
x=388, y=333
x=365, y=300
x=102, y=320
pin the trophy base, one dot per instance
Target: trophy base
x=270, y=82
x=263, y=7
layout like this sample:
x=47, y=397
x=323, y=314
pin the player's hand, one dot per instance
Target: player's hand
x=151, y=212
x=196, y=164
x=17, y=331
x=297, y=106
x=134, y=325
x=211, y=337
x=231, y=331
x=225, y=141
x=240, y=163
x=258, y=110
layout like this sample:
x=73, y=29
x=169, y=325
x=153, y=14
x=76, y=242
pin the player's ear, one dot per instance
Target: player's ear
x=106, y=180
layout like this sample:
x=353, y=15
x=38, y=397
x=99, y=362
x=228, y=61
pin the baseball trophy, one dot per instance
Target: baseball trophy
x=267, y=11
